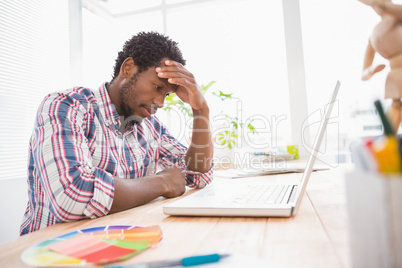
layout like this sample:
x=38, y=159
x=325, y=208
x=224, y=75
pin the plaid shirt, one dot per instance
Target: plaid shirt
x=76, y=149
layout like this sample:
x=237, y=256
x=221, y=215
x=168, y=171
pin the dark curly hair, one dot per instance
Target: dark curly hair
x=148, y=49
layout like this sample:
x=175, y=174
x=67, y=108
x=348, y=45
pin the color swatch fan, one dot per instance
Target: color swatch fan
x=97, y=245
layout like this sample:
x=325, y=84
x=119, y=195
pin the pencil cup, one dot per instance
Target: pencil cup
x=374, y=204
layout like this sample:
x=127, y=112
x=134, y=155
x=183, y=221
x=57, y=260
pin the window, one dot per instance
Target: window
x=238, y=44
x=241, y=45
x=335, y=36
x=34, y=61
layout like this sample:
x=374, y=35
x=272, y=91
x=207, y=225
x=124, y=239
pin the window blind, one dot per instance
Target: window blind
x=34, y=61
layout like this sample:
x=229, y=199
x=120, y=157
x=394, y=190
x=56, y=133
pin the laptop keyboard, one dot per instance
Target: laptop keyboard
x=261, y=194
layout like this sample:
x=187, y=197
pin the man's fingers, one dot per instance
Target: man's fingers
x=174, y=73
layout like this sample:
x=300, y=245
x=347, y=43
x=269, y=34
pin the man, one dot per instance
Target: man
x=98, y=152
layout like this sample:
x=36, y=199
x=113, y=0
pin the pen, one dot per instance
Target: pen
x=384, y=120
x=188, y=261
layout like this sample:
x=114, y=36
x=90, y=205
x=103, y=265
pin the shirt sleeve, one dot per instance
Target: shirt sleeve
x=172, y=152
x=73, y=188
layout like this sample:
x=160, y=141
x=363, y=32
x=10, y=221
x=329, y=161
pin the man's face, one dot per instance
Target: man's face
x=143, y=94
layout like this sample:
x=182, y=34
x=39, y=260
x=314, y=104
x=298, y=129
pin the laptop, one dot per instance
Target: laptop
x=276, y=167
x=256, y=196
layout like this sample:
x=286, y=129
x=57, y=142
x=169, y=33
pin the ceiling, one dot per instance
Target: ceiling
x=111, y=9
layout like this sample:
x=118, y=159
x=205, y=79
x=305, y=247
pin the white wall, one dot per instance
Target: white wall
x=13, y=200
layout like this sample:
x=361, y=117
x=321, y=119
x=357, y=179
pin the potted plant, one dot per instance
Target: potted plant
x=227, y=136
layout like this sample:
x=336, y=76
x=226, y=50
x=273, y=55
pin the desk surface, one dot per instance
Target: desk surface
x=316, y=237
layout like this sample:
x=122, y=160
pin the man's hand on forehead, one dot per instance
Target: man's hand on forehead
x=184, y=82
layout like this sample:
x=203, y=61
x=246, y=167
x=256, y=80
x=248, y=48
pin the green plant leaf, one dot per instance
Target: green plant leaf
x=224, y=96
x=204, y=89
x=231, y=144
x=221, y=136
x=169, y=102
x=252, y=128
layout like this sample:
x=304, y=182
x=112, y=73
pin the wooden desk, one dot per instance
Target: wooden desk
x=316, y=237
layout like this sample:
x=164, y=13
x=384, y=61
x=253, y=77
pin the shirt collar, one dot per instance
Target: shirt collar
x=106, y=107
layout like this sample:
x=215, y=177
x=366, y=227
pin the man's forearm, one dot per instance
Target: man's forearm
x=130, y=193
x=200, y=153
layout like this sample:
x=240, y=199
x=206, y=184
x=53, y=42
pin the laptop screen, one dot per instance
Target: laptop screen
x=316, y=147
